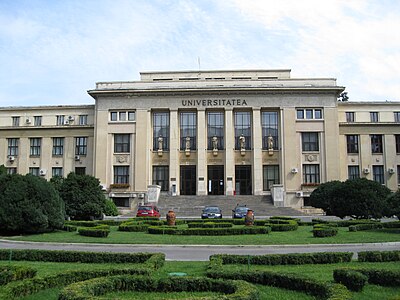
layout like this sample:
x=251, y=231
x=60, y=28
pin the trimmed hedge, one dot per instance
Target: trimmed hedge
x=209, y=231
x=322, y=230
x=14, y=273
x=210, y=225
x=345, y=223
x=98, y=231
x=82, y=223
x=285, y=259
x=284, y=218
x=100, y=286
x=70, y=228
x=394, y=224
x=76, y=256
x=352, y=279
x=378, y=256
x=361, y=227
x=382, y=277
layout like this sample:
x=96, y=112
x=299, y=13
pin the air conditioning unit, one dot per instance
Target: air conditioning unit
x=71, y=118
x=42, y=172
x=294, y=170
x=141, y=196
x=366, y=171
x=28, y=121
x=299, y=194
x=77, y=157
x=66, y=122
x=391, y=171
x=103, y=187
x=11, y=158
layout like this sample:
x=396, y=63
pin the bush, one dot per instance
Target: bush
x=210, y=225
x=378, y=256
x=361, y=227
x=13, y=273
x=283, y=224
x=352, y=279
x=29, y=204
x=382, y=277
x=209, y=231
x=395, y=224
x=324, y=231
x=110, y=209
x=70, y=228
x=98, y=231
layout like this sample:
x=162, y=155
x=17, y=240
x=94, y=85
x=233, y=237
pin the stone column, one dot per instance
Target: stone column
x=257, y=153
x=174, y=149
x=229, y=152
x=201, y=152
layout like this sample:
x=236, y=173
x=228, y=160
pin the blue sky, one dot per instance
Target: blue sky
x=52, y=52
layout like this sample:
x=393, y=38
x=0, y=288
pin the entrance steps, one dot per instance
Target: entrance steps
x=191, y=206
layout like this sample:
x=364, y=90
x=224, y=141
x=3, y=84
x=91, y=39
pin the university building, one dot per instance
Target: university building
x=247, y=132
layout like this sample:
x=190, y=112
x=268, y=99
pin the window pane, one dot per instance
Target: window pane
x=300, y=114
x=215, y=130
x=269, y=125
x=188, y=130
x=310, y=141
x=242, y=130
x=271, y=176
x=160, y=131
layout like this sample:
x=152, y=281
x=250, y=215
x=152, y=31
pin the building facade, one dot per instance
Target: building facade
x=247, y=132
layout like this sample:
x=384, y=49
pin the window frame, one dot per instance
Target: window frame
x=243, y=128
x=188, y=128
x=309, y=113
x=57, y=171
x=378, y=176
x=352, y=142
x=121, y=174
x=15, y=121
x=160, y=176
x=122, y=143
x=350, y=116
x=81, y=145
x=374, y=116
x=12, y=146
x=351, y=174
x=122, y=116
x=214, y=125
x=83, y=119
x=270, y=127
x=308, y=144
x=376, y=143
x=58, y=146
x=60, y=120
x=35, y=146
x=161, y=124
x=311, y=174
x=37, y=120
x=269, y=181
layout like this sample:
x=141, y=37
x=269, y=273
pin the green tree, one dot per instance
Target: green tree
x=29, y=204
x=321, y=197
x=83, y=197
x=110, y=208
x=393, y=205
x=3, y=170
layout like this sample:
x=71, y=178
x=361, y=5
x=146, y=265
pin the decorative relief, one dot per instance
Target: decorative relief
x=311, y=158
x=121, y=159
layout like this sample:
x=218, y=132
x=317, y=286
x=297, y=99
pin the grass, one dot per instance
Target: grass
x=301, y=236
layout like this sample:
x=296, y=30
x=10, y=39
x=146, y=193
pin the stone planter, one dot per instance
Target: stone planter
x=171, y=217
x=249, y=218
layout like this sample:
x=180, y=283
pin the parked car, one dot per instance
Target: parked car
x=211, y=212
x=239, y=211
x=148, y=210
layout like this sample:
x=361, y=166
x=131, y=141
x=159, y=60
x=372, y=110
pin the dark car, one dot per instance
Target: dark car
x=149, y=210
x=240, y=211
x=211, y=212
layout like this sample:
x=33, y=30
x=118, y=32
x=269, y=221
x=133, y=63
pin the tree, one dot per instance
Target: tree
x=357, y=198
x=29, y=204
x=3, y=170
x=83, y=197
x=393, y=205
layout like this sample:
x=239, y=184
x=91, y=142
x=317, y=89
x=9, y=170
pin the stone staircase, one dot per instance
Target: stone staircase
x=191, y=206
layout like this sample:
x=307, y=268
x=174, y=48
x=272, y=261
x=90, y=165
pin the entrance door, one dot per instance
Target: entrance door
x=215, y=180
x=243, y=180
x=188, y=180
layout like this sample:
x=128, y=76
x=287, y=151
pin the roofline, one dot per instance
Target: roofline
x=47, y=107
x=215, y=71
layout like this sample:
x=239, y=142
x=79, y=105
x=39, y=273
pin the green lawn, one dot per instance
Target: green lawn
x=301, y=236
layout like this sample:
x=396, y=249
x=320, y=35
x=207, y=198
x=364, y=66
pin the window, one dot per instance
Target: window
x=57, y=171
x=310, y=141
x=397, y=137
x=270, y=176
x=37, y=120
x=374, y=116
x=58, y=146
x=376, y=143
x=353, y=172
x=35, y=146
x=378, y=174
x=80, y=170
x=188, y=130
x=161, y=177
x=350, y=117
x=309, y=113
x=81, y=145
x=397, y=116
x=11, y=171
x=83, y=119
x=122, y=116
x=242, y=129
x=269, y=125
x=34, y=171
x=121, y=174
x=160, y=130
x=215, y=128
x=122, y=143
x=60, y=120
x=15, y=121
x=398, y=175
x=311, y=174
x=12, y=149
x=352, y=143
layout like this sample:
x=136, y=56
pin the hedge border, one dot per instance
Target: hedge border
x=378, y=256
x=98, y=231
x=209, y=231
x=352, y=279
x=324, y=230
x=371, y=275
x=15, y=273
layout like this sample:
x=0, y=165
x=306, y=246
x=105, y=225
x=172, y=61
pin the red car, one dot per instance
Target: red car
x=149, y=210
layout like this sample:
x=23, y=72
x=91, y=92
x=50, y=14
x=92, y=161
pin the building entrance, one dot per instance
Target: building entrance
x=215, y=176
x=188, y=180
x=243, y=180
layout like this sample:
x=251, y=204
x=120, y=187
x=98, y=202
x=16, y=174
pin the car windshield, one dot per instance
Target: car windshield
x=241, y=209
x=211, y=210
x=145, y=208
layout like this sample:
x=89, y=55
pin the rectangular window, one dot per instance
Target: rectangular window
x=376, y=143
x=309, y=113
x=121, y=174
x=113, y=116
x=378, y=174
x=397, y=138
x=15, y=121
x=397, y=116
x=60, y=120
x=374, y=116
x=58, y=146
x=215, y=130
x=188, y=130
x=35, y=146
x=161, y=177
x=80, y=170
x=83, y=119
x=12, y=149
x=270, y=176
x=352, y=143
x=81, y=145
x=122, y=143
x=318, y=114
x=269, y=127
x=122, y=116
x=353, y=172
x=398, y=175
x=242, y=130
x=350, y=117
x=34, y=171
x=11, y=171
x=37, y=120
x=131, y=116
x=160, y=131
x=57, y=171
x=311, y=174
x=300, y=114
x=310, y=141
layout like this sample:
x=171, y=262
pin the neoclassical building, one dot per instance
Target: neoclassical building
x=247, y=132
